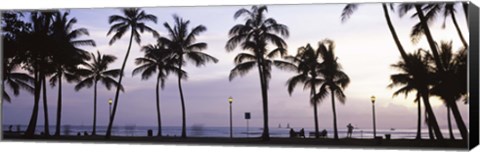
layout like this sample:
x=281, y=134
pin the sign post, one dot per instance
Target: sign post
x=247, y=117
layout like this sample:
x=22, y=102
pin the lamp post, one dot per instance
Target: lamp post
x=373, y=111
x=110, y=109
x=230, y=100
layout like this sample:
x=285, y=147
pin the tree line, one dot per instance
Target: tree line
x=47, y=47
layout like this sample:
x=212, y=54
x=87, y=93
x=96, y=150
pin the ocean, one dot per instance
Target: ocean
x=238, y=132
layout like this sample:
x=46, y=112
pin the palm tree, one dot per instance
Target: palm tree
x=35, y=57
x=181, y=42
x=404, y=8
x=95, y=71
x=308, y=64
x=415, y=76
x=254, y=36
x=12, y=30
x=335, y=80
x=158, y=60
x=67, y=57
x=451, y=84
x=133, y=19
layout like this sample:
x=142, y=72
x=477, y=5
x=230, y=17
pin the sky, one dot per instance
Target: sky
x=364, y=47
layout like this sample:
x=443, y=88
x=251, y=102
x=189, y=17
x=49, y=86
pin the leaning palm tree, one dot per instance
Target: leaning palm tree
x=181, y=42
x=94, y=72
x=404, y=8
x=254, y=36
x=335, y=80
x=415, y=76
x=451, y=84
x=133, y=19
x=307, y=61
x=67, y=56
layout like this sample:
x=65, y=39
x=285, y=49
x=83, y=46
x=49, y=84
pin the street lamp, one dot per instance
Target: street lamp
x=110, y=107
x=230, y=100
x=373, y=111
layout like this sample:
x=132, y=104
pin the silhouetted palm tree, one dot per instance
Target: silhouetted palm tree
x=94, y=72
x=307, y=61
x=403, y=9
x=68, y=56
x=254, y=36
x=12, y=30
x=157, y=59
x=38, y=44
x=133, y=19
x=181, y=42
x=335, y=80
x=415, y=76
x=451, y=84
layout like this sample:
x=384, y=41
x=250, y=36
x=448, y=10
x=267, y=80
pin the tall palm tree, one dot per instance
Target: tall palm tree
x=157, y=59
x=38, y=45
x=451, y=84
x=67, y=56
x=415, y=76
x=254, y=36
x=133, y=19
x=181, y=42
x=94, y=72
x=307, y=61
x=335, y=80
x=419, y=13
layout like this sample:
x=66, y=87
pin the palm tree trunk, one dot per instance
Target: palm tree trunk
x=184, y=123
x=452, y=14
x=33, y=119
x=45, y=107
x=335, y=131
x=449, y=123
x=432, y=121
x=458, y=119
x=315, y=113
x=59, y=105
x=264, y=85
x=428, y=34
x=112, y=117
x=430, y=131
x=394, y=33
x=419, y=123
x=158, y=107
x=94, y=132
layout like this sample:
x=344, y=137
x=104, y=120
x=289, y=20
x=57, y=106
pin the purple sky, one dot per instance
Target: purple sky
x=363, y=45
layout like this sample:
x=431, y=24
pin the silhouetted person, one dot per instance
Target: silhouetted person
x=350, y=130
x=85, y=133
x=323, y=133
x=301, y=133
x=292, y=133
x=79, y=134
x=10, y=128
